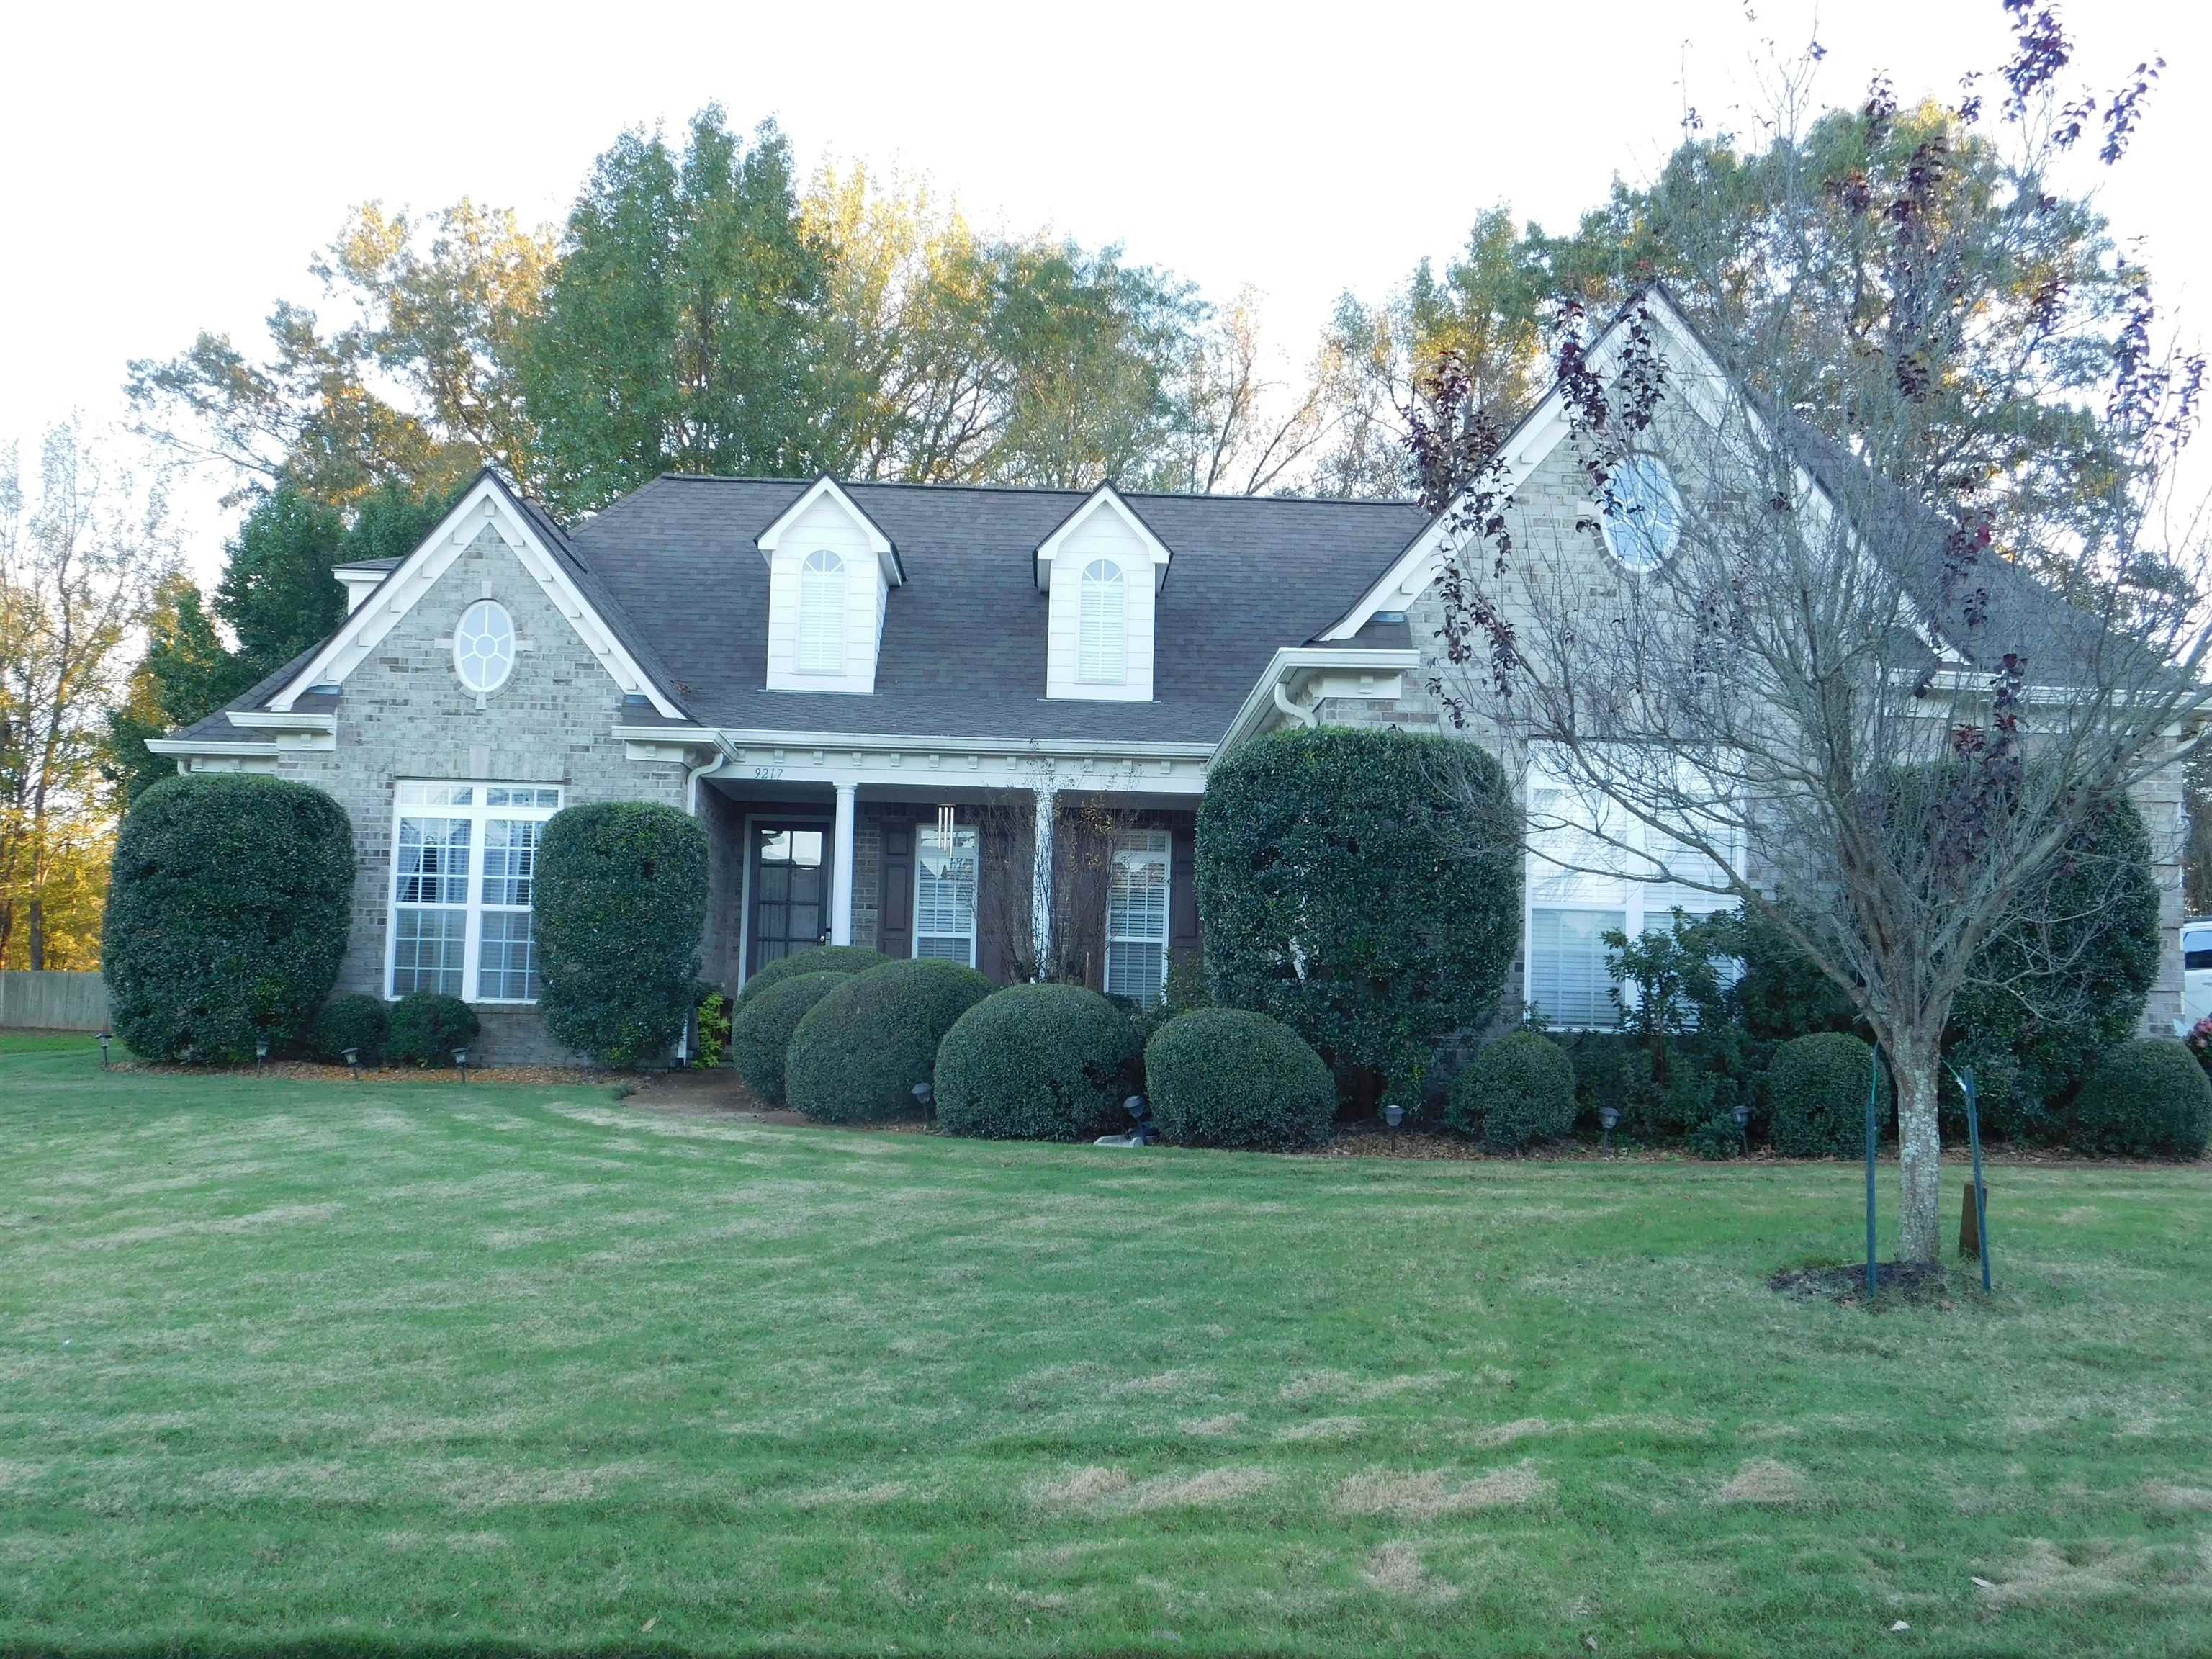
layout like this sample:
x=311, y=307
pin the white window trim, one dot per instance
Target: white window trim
x=1634, y=905
x=1116, y=617
x=821, y=585
x=479, y=817
x=514, y=647
x=913, y=903
x=1164, y=853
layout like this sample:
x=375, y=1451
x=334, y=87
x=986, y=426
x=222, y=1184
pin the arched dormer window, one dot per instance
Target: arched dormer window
x=1101, y=653
x=822, y=614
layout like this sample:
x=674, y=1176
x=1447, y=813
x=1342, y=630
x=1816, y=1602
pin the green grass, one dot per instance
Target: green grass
x=426, y=1366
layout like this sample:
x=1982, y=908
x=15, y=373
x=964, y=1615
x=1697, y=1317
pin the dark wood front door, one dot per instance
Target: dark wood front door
x=790, y=887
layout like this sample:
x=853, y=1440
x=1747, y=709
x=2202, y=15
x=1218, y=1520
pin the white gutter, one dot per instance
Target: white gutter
x=267, y=721
x=1304, y=658
x=208, y=746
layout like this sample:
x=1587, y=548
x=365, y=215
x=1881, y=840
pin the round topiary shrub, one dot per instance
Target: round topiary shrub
x=761, y=1033
x=1363, y=887
x=819, y=959
x=1226, y=1076
x=1517, y=1091
x=1817, y=1089
x=2147, y=1099
x=858, y=1053
x=621, y=904
x=362, y=1024
x=1037, y=1062
x=425, y=1029
x=228, y=905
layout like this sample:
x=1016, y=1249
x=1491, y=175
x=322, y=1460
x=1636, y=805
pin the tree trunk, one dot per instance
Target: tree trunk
x=38, y=952
x=1914, y=1062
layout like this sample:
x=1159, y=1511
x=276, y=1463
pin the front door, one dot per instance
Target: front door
x=790, y=887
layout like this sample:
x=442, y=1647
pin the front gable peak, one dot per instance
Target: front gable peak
x=826, y=489
x=1104, y=504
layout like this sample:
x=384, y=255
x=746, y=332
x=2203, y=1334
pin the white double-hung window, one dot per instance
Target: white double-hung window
x=945, y=871
x=464, y=875
x=1592, y=869
x=1102, y=625
x=1136, y=917
x=822, y=614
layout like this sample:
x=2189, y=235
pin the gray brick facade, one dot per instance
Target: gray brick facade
x=403, y=714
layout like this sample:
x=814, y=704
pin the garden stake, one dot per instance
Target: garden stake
x=1874, y=1080
x=1981, y=1195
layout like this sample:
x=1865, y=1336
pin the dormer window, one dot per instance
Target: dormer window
x=822, y=614
x=1102, y=650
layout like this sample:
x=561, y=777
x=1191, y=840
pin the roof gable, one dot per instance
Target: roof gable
x=1108, y=501
x=538, y=546
x=826, y=488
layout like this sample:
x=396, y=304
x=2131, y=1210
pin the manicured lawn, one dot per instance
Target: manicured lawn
x=402, y=1364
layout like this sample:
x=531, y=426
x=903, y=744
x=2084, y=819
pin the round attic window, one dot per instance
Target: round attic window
x=1643, y=520
x=483, y=646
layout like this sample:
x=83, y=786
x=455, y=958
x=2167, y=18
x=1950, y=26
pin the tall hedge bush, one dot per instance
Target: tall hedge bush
x=1363, y=887
x=857, y=1054
x=1817, y=1087
x=2149, y=1099
x=1227, y=1077
x=230, y=902
x=1037, y=1062
x=621, y=904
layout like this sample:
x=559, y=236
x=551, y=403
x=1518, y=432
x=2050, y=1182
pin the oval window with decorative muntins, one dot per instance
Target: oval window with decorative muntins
x=483, y=646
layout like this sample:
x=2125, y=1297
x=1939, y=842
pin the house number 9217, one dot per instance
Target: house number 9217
x=767, y=771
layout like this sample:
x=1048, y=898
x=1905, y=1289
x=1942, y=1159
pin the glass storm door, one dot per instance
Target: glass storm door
x=790, y=891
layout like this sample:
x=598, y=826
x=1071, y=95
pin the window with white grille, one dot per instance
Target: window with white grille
x=1137, y=918
x=464, y=872
x=822, y=614
x=1590, y=869
x=944, y=871
x=1102, y=625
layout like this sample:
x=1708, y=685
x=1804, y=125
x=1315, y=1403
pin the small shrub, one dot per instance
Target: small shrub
x=817, y=959
x=2147, y=1098
x=1817, y=1087
x=359, y=1023
x=1037, y=1062
x=231, y=896
x=1225, y=1077
x=1517, y=1091
x=426, y=1028
x=621, y=902
x=858, y=1053
x=760, y=1035
x=1717, y=1139
x=713, y=1030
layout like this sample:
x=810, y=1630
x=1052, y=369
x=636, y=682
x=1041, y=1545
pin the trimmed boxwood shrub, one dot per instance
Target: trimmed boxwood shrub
x=1227, y=1077
x=858, y=1053
x=621, y=902
x=815, y=960
x=762, y=1031
x=228, y=905
x=1037, y=1062
x=1516, y=1091
x=359, y=1023
x=426, y=1028
x=1817, y=1088
x=1363, y=887
x=2149, y=1099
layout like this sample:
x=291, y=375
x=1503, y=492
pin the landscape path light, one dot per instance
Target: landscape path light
x=1394, y=1115
x=1607, y=1117
x=352, y=1058
x=106, y=1038
x=925, y=1096
x=260, y=1051
x=461, y=1060
x=1742, y=1113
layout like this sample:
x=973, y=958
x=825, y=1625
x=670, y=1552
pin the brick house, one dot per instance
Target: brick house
x=936, y=720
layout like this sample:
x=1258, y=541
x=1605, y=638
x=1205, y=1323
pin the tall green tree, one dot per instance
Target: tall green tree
x=275, y=593
x=678, y=330
x=186, y=673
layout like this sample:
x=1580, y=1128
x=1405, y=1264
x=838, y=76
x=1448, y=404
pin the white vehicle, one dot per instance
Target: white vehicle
x=2196, y=970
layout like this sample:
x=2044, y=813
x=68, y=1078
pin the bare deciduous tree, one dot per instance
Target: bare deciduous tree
x=1796, y=665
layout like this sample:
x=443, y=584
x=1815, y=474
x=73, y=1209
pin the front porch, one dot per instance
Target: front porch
x=1074, y=869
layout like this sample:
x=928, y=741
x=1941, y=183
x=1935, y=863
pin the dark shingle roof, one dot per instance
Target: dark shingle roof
x=963, y=645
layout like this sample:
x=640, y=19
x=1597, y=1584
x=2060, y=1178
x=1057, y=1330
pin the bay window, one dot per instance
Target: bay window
x=464, y=870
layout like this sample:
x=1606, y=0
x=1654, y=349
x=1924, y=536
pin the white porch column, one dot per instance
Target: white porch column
x=1047, y=796
x=840, y=868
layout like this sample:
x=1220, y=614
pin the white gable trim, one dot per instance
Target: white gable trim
x=485, y=505
x=878, y=543
x=1104, y=499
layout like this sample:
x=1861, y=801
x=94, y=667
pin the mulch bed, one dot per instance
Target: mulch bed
x=1848, y=1283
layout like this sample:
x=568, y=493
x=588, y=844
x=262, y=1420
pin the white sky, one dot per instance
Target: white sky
x=172, y=171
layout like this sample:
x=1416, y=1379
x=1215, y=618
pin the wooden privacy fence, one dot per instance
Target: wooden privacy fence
x=52, y=1001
